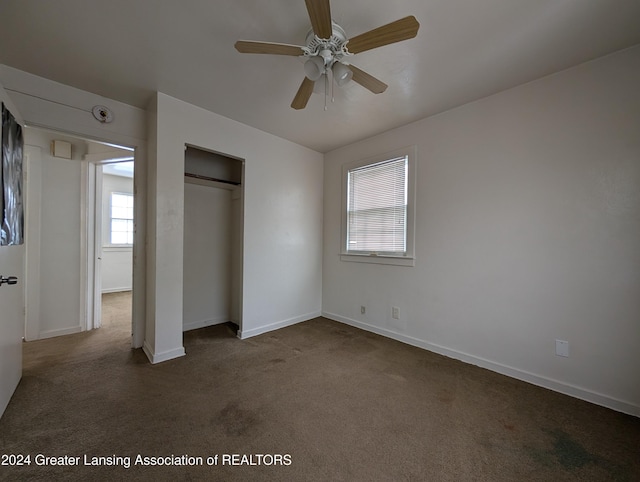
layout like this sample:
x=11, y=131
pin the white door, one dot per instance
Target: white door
x=11, y=322
x=11, y=313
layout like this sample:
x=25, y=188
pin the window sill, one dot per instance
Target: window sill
x=389, y=260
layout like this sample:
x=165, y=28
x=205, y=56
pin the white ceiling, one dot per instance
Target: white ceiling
x=465, y=50
x=122, y=169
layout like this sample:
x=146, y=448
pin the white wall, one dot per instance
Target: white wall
x=117, y=261
x=53, y=236
x=528, y=231
x=282, y=263
x=207, y=256
x=52, y=105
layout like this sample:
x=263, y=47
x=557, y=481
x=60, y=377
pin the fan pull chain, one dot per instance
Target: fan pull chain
x=325, y=91
x=332, y=89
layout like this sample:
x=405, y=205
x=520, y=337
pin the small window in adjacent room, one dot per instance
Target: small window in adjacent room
x=121, y=218
x=378, y=209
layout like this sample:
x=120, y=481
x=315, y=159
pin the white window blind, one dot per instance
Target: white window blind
x=121, y=218
x=377, y=208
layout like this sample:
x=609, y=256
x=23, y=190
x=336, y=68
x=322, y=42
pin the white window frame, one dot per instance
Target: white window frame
x=110, y=221
x=408, y=259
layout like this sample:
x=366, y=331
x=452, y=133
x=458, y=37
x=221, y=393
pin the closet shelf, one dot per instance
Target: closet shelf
x=211, y=179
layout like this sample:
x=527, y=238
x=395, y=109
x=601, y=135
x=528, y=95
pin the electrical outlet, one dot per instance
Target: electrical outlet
x=395, y=312
x=363, y=310
x=562, y=348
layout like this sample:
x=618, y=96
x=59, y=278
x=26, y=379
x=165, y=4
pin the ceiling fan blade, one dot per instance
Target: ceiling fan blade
x=251, y=47
x=320, y=16
x=402, y=29
x=303, y=94
x=367, y=81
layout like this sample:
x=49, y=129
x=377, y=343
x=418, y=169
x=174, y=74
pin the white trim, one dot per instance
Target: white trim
x=86, y=249
x=117, y=290
x=8, y=102
x=539, y=380
x=379, y=259
x=411, y=152
x=32, y=196
x=194, y=325
x=138, y=268
x=164, y=356
x=59, y=332
x=107, y=157
x=110, y=217
x=93, y=190
x=244, y=334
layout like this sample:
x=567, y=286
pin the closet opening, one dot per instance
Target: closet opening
x=213, y=227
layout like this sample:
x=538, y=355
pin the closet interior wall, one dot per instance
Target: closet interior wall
x=212, y=259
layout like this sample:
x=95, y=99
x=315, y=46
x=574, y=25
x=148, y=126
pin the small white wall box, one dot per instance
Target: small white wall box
x=61, y=149
x=562, y=348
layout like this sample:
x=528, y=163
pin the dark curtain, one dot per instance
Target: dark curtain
x=11, y=230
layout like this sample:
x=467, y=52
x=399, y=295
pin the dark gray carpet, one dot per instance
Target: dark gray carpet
x=342, y=403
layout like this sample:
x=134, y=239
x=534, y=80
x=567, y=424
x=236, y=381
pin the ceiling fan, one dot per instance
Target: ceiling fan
x=327, y=49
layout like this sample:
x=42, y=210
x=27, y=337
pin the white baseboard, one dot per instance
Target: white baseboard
x=244, y=334
x=194, y=325
x=541, y=381
x=116, y=290
x=59, y=332
x=164, y=356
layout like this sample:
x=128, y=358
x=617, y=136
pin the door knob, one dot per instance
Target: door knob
x=10, y=280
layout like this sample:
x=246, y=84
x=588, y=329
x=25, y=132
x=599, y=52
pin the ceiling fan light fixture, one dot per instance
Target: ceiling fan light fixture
x=327, y=45
x=341, y=74
x=314, y=68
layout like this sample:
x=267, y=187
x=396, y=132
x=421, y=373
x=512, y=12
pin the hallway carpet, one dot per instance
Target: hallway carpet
x=315, y=401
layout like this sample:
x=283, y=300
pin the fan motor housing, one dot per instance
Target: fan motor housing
x=331, y=50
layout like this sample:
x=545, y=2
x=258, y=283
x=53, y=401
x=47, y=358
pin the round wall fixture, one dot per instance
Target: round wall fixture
x=102, y=113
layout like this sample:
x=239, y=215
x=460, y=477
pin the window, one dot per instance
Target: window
x=378, y=212
x=121, y=218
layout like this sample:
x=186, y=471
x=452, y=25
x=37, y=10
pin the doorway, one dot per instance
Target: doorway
x=113, y=204
x=213, y=221
x=63, y=224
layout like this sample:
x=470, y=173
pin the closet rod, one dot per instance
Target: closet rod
x=207, y=178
